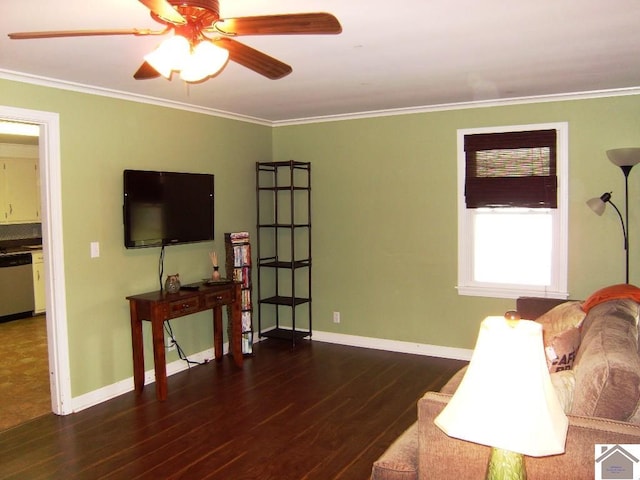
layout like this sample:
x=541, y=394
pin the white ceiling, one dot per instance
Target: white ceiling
x=391, y=54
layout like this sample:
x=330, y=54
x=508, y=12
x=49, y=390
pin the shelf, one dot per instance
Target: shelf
x=281, y=264
x=283, y=300
x=281, y=188
x=284, y=225
x=285, y=163
x=285, y=334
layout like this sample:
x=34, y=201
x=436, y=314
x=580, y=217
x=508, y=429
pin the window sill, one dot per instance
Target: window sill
x=495, y=291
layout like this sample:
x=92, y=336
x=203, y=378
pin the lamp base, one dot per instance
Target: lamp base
x=506, y=465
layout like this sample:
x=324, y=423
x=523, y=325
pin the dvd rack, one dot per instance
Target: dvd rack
x=238, y=268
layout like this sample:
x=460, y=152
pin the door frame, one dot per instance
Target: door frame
x=52, y=246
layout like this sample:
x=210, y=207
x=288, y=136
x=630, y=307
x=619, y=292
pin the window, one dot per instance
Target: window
x=512, y=211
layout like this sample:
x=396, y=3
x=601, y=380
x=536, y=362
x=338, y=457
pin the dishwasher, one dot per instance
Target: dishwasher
x=16, y=286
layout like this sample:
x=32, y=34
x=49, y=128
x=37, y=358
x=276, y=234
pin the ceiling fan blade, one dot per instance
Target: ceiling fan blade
x=83, y=33
x=146, y=72
x=254, y=60
x=295, y=23
x=165, y=10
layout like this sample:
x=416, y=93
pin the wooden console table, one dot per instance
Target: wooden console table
x=157, y=307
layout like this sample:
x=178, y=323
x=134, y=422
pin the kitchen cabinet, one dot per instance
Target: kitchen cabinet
x=20, y=193
x=37, y=259
x=19, y=184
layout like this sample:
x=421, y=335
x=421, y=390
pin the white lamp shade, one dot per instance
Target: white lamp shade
x=207, y=59
x=169, y=56
x=624, y=156
x=597, y=205
x=506, y=399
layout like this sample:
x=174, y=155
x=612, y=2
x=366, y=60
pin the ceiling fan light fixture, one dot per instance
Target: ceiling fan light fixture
x=170, y=55
x=206, y=60
x=189, y=23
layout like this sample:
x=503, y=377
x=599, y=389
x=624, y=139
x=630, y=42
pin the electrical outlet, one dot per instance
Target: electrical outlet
x=336, y=317
x=169, y=343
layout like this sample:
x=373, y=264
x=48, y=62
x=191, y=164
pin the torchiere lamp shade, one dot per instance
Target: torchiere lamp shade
x=624, y=157
x=506, y=399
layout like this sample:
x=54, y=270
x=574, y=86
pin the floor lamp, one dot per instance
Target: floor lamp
x=625, y=158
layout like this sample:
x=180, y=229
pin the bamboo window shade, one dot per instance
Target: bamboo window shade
x=511, y=169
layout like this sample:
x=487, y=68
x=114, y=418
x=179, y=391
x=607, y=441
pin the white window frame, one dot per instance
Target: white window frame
x=558, y=285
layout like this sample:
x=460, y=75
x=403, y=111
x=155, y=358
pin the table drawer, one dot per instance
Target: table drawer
x=184, y=307
x=218, y=298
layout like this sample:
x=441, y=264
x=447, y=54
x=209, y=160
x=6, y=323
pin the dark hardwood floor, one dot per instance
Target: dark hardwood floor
x=317, y=412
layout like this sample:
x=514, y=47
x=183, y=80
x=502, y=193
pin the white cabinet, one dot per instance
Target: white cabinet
x=21, y=202
x=38, y=282
x=19, y=184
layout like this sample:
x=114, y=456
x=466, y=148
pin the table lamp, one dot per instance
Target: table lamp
x=506, y=399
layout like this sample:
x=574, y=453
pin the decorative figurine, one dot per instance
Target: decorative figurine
x=172, y=283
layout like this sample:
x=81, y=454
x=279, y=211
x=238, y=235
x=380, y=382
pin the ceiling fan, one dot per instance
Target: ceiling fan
x=210, y=40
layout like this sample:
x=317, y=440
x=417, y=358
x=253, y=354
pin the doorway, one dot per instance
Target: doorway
x=52, y=245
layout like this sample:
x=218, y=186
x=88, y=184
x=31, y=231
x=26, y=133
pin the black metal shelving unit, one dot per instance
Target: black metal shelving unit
x=283, y=205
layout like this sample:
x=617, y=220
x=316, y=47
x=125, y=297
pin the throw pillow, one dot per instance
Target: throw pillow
x=562, y=317
x=561, y=350
x=564, y=383
x=561, y=334
x=612, y=292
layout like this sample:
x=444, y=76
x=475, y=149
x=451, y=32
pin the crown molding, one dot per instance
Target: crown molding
x=77, y=87
x=133, y=97
x=619, y=92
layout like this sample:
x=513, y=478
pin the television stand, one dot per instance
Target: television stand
x=157, y=307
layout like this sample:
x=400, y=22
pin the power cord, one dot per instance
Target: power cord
x=161, y=266
x=181, y=354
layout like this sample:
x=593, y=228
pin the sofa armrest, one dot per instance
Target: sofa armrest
x=442, y=457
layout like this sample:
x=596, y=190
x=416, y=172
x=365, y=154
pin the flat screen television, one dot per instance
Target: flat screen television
x=167, y=208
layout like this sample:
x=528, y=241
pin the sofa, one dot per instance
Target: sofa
x=599, y=389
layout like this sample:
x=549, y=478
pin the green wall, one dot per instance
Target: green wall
x=100, y=137
x=384, y=213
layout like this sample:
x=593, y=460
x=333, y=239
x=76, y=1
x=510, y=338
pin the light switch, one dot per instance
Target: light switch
x=95, y=249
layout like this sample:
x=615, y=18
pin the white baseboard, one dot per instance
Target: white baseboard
x=111, y=391
x=393, y=345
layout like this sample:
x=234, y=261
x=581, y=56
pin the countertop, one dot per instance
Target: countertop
x=19, y=249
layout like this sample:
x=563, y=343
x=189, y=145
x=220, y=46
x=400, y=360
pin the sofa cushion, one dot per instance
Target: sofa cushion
x=400, y=460
x=607, y=367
